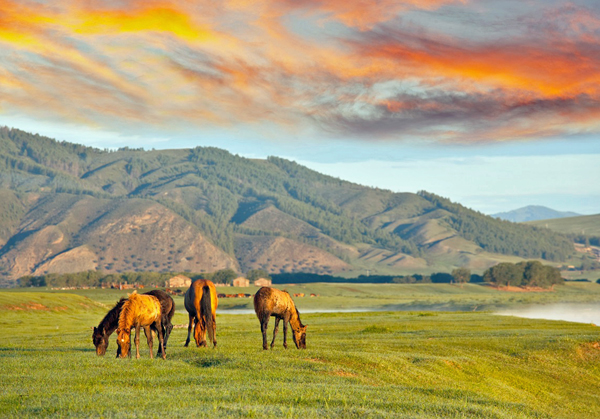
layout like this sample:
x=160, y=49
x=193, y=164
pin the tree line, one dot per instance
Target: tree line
x=101, y=279
x=522, y=274
x=500, y=236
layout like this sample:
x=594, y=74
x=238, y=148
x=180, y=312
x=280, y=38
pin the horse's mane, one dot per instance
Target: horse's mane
x=125, y=311
x=298, y=314
x=111, y=320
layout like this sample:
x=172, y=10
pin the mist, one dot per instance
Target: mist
x=579, y=313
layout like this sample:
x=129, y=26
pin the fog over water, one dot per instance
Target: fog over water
x=579, y=313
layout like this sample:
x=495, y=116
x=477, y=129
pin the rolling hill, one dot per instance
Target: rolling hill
x=588, y=225
x=66, y=207
x=533, y=213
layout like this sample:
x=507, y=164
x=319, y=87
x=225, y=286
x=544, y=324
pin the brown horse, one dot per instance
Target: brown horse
x=201, y=304
x=273, y=302
x=140, y=310
x=110, y=322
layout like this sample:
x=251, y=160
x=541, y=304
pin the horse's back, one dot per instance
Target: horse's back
x=144, y=308
x=166, y=302
x=194, y=294
x=272, y=301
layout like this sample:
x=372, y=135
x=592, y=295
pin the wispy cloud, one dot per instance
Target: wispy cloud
x=382, y=69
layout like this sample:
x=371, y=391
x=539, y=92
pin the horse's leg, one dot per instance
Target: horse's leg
x=203, y=328
x=137, y=341
x=148, y=333
x=130, y=347
x=285, y=327
x=187, y=342
x=214, y=330
x=161, y=340
x=166, y=332
x=264, y=323
x=275, y=331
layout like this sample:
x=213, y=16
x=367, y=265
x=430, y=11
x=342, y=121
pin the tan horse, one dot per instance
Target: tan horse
x=273, y=302
x=139, y=311
x=201, y=304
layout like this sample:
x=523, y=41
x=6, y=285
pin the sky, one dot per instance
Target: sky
x=493, y=104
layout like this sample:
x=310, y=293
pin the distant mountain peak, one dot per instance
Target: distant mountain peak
x=533, y=213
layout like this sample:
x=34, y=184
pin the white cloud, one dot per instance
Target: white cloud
x=551, y=179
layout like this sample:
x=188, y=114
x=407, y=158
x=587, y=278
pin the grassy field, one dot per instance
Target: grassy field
x=373, y=364
x=470, y=297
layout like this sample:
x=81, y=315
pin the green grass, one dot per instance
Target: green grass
x=377, y=364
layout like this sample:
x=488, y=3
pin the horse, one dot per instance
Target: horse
x=201, y=304
x=140, y=310
x=279, y=304
x=110, y=322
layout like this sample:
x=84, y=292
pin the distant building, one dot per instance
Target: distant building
x=262, y=282
x=241, y=282
x=178, y=281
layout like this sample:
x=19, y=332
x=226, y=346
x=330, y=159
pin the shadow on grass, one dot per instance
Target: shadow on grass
x=208, y=362
x=16, y=349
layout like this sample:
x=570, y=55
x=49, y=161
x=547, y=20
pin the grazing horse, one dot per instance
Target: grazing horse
x=110, y=322
x=107, y=326
x=201, y=304
x=279, y=304
x=140, y=310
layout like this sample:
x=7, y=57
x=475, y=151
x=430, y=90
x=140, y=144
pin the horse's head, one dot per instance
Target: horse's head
x=124, y=342
x=100, y=341
x=299, y=336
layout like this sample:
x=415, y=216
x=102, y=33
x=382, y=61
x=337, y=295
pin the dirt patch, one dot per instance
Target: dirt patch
x=524, y=289
x=342, y=373
x=452, y=364
x=589, y=351
x=28, y=306
x=35, y=306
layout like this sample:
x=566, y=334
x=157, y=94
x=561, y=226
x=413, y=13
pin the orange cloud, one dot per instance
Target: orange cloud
x=248, y=61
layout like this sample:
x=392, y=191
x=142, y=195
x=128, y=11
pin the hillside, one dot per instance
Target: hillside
x=584, y=224
x=66, y=207
x=533, y=213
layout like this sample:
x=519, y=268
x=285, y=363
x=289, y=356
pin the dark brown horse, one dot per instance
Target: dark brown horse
x=279, y=304
x=140, y=310
x=201, y=304
x=110, y=322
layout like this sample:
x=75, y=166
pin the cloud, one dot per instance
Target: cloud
x=368, y=69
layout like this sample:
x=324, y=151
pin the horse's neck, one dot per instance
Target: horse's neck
x=110, y=322
x=295, y=320
x=107, y=326
x=125, y=320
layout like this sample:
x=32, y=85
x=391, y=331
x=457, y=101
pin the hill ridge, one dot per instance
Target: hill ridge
x=206, y=195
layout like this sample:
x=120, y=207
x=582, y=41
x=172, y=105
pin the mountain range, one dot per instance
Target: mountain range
x=533, y=213
x=65, y=207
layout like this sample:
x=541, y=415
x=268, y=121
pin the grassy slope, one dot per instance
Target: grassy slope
x=588, y=224
x=412, y=364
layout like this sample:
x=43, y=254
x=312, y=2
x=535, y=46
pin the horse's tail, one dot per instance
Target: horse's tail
x=206, y=312
x=172, y=311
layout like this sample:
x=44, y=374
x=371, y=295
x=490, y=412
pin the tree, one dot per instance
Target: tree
x=224, y=276
x=255, y=274
x=461, y=275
